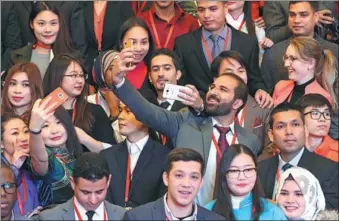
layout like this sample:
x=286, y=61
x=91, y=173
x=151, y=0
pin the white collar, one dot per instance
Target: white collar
x=294, y=162
x=99, y=211
x=215, y=122
x=236, y=200
x=230, y=19
x=170, y=215
x=170, y=101
x=138, y=146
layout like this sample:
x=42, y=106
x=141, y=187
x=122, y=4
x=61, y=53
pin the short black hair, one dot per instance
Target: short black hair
x=314, y=4
x=184, y=154
x=314, y=100
x=283, y=107
x=241, y=90
x=215, y=65
x=91, y=166
x=5, y=166
x=167, y=52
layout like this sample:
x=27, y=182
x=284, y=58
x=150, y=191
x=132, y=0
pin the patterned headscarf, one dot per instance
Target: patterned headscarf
x=311, y=189
x=100, y=66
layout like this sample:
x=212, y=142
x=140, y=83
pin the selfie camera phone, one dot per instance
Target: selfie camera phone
x=58, y=95
x=171, y=91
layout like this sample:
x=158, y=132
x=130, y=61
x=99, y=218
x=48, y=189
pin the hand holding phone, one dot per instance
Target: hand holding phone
x=172, y=91
x=129, y=44
x=58, y=96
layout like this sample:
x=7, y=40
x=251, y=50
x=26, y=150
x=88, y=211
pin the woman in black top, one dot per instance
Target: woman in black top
x=91, y=122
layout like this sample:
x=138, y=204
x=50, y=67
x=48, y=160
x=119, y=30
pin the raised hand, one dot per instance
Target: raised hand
x=19, y=157
x=40, y=113
x=191, y=97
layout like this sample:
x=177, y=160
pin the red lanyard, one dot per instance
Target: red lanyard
x=22, y=204
x=208, y=51
x=156, y=36
x=163, y=139
x=241, y=24
x=74, y=113
x=277, y=175
x=97, y=99
x=217, y=146
x=129, y=174
x=79, y=215
x=242, y=118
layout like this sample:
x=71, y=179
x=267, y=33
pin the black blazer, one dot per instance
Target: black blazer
x=117, y=12
x=156, y=211
x=325, y=170
x=147, y=184
x=72, y=12
x=196, y=70
x=10, y=32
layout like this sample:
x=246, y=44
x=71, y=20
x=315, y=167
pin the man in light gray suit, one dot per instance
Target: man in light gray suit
x=90, y=181
x=226, y=95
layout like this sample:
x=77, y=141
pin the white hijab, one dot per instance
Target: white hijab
x=311, y=189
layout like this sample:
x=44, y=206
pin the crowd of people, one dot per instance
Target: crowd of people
x=252, y=134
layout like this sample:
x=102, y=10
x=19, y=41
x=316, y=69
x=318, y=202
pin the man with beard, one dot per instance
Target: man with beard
x=208, y=135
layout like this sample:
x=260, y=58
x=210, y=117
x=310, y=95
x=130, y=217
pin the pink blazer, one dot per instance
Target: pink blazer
x=285, y=87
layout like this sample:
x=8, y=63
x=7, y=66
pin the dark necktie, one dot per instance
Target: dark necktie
x=90, y=215
x=165, y=104
x=215, y=49
x=222, y=141
x=286, y=166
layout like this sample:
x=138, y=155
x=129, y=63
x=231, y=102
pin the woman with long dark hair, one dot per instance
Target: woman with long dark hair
x=238, y=190
x=91, y=122
x=51, y=37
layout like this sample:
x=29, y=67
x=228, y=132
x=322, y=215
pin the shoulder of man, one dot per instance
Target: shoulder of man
x=208, y=215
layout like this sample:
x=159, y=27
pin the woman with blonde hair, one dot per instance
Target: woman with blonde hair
x=310, y=70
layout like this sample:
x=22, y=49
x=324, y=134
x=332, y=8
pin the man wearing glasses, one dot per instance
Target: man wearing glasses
x=8, y=194
x=317, y=111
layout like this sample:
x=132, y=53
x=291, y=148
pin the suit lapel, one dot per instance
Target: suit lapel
x=177, y=105
x=68, y=213
x=89, y=11
x=200, y=52
x=249, y=114
x=271, y=172
x=207, y=132
x=145, y=156
x=109, y=210
x=304, y=159
x=121, y=157
x=159, y=210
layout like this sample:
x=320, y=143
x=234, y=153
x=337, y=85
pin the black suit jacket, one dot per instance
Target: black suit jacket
x=146, y=185
x=117, y=12
x=195, y=67
x=156, y=211
x=326, y=171
x=72, y=13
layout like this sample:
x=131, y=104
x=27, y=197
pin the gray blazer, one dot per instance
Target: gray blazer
x=182, y=127
x=65, y=211
x=276, y=18
x=156, y=211
x=272, y=66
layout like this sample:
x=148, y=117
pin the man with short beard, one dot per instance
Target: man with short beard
x=226, y=95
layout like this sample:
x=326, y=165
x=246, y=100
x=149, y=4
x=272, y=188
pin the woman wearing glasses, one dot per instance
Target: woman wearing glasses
x=238, y=191
x=91, y=122
x=310, y=70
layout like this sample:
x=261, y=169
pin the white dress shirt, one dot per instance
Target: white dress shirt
x=98, y=215
x=294, y=162
x=170, y=101
x=205, y=195
x=239, y=117
x=236, y=22
x=134, y=150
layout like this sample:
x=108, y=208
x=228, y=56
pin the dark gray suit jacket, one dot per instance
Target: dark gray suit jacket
x=276, y=18
x=65, y=211
x=272, y=66
x=156, y=211
x=182, y=127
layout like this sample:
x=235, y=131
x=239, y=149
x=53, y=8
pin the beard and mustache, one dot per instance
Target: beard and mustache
x=219, y=109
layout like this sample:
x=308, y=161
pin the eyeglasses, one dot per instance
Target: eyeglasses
x=75, y=76
x=9, y=188
x=315, y=115
x=290, y=58
x=248, y=173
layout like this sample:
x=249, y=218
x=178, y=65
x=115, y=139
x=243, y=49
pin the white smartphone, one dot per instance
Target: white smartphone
x=171, y=91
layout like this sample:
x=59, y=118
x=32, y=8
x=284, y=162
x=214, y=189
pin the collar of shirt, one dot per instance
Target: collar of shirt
x=206, y=34
x=137, y=147
x=215, y=122
x=294, y=162
x=234, y=22
x=168, y=100
x=178, y=13
x=98, y=215
x=170, y=215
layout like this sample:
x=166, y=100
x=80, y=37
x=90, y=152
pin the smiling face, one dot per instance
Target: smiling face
x=320, y=127
x=291, y=200
x=7, y=199
x=15, y=137
x=53, y=132
x=140, y=39
x=72, y=85
x=19, y=92
x=46, y=27
x=183, y=181
x=163, y=71
x=242, y=184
